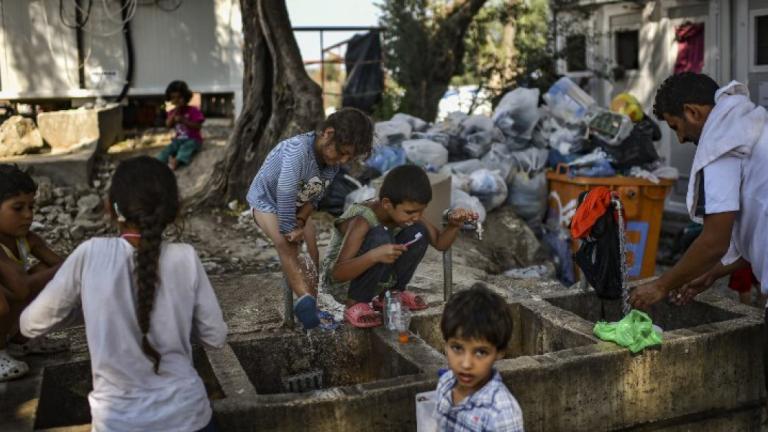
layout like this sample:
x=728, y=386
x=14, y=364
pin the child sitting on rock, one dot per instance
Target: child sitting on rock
x=21, y=279
x=290, y=184
x=186, y=121
x=377, y=245
x=476, y=327
x=144, y=300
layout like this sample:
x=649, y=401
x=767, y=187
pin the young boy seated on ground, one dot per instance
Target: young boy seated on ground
x=476, y=327
x=20, y=280
x=377, y=245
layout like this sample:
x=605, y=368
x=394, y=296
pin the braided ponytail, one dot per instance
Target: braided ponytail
x=146, y=193
x=147, y=260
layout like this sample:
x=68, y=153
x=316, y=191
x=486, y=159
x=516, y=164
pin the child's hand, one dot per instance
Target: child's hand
x=295, y=236
x=388, y=253
x=458, y=217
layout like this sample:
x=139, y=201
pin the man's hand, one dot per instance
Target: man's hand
x=646, y=295
x=687, y=292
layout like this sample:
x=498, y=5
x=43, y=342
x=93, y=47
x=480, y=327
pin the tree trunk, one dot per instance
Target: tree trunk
x=423, y=98
x=279, y=100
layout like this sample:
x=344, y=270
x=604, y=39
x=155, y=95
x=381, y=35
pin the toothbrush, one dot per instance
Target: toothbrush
x=416, y=238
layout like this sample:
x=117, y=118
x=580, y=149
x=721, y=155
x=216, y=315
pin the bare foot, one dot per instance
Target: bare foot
x=172, y=163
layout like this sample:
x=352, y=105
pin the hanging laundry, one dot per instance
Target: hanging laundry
x=600, y=255
x=690, y=48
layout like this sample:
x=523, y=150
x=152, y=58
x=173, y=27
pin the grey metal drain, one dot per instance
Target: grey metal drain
x=303, y=382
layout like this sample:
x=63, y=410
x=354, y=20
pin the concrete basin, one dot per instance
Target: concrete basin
x=665, y=315
x=532, y=334
x=65, y=387
x=321, y=361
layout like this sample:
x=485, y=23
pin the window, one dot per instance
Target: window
x=627, y=49
x=761, y=40
x=576, y=53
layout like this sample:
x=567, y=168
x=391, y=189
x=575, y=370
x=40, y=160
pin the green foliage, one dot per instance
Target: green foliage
x=532, y=60
x=390, y=103
x=409, y=36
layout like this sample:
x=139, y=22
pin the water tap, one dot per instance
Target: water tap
x=475, y=226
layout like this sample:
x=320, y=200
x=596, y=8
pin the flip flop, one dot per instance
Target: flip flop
x=409, y=300
x=355, y=314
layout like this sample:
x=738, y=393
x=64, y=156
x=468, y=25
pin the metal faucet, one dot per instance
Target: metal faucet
x=476, y=226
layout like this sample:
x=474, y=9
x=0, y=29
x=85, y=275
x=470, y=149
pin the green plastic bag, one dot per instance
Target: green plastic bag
x=635, y=331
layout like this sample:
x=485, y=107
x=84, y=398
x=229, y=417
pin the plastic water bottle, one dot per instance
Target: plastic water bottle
x=394, y=310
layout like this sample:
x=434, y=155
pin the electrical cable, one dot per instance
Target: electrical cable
x=77, y=23
x=128, y=50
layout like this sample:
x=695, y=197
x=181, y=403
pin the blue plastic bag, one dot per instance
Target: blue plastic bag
x=384, y=158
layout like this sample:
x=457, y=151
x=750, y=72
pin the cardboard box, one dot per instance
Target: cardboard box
x=441, y=197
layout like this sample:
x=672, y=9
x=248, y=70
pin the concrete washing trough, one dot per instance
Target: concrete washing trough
x=532, y=334
x=707, y=375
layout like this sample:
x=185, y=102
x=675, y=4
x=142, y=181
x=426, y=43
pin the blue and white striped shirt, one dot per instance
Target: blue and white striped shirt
x=289, y=178
x=490, y=409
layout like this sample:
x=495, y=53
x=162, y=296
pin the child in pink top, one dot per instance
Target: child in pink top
x=186, y=120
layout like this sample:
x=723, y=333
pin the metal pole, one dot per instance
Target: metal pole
x=287, y=304
x=322, y=68
x=447, y=274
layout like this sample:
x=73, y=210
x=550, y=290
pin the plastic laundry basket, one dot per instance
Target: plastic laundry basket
x=643, y=206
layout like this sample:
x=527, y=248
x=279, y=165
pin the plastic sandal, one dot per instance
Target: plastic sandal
x=10, y=368
x=355, y=314
x=38, y=345
x=408, y=298
x=411, y=301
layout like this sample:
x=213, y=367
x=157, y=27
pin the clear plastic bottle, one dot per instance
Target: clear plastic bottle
x=394, y=309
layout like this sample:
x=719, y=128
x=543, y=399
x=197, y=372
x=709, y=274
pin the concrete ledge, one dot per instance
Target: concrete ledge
x=69, y=169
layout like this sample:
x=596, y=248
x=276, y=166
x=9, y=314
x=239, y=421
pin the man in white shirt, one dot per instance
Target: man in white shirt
x=728, y=187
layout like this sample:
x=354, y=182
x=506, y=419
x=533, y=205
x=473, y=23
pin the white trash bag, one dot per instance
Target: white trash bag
x=426, y=153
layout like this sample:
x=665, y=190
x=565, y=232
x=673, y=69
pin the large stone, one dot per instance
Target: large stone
x=509, y=242
x=18, y=136
x=67, y=130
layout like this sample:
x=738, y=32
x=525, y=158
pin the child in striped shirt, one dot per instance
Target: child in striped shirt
x=289, y=185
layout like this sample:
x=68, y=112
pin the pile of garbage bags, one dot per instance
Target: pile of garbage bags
x=502, y=159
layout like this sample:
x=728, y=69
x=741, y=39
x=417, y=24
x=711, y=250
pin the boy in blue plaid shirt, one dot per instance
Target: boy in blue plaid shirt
x=471, y=397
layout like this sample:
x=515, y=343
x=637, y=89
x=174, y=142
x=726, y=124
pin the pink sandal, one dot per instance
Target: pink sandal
x=361, y=315
x=412, y=301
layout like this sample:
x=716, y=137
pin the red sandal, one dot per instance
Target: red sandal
x=361, y=315
x=410, y=300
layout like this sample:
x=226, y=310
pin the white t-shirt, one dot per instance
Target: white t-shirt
x=739, y=184
x=127, y=395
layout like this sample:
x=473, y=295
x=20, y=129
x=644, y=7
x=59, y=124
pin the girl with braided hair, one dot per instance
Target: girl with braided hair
x=143, y=299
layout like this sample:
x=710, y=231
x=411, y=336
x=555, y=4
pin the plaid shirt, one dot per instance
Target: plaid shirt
x=490, y=409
